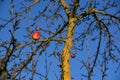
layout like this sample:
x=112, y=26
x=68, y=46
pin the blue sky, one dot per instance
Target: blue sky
x=76, y=66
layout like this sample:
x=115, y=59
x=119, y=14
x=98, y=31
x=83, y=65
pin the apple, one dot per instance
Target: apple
x=36, y=35
x=37, y=28
x=73, y=55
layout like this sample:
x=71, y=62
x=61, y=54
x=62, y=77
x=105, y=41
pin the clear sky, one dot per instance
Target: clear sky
x=76, y=67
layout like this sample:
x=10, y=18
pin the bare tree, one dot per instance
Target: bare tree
x=66, y=26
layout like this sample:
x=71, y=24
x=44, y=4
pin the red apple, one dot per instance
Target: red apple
x=73, y=55
x=37, y=28
x=36, y=35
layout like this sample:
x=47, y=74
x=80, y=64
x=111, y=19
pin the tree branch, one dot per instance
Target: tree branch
x=65, y=6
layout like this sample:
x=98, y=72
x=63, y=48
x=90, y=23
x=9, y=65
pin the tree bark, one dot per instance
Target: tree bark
x=66, y=51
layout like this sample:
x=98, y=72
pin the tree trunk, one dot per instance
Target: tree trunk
x=66, y=51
